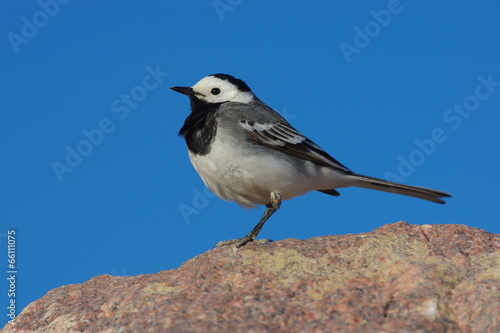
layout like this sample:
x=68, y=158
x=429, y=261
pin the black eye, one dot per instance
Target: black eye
x=215, y=91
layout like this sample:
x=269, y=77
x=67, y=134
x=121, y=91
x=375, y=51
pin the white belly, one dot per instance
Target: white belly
x=249, y=179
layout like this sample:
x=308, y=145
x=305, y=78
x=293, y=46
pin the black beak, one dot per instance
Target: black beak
x=185, y=90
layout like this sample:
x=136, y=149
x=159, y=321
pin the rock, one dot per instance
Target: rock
x=397, y=278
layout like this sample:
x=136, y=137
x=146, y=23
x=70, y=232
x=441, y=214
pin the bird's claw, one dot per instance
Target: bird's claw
x=242, y=241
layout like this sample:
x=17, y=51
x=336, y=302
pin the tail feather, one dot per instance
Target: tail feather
x=387, y=186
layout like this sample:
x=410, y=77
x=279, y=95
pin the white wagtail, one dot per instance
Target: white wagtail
x=246, y=152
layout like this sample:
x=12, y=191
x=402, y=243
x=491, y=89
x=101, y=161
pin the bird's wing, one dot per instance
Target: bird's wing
x=286, y=139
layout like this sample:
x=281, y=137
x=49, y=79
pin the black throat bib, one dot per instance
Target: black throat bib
x=200, y=126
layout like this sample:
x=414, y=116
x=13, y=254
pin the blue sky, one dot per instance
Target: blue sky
x=95, y=180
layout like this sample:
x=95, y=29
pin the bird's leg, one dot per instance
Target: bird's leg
x=252, y=235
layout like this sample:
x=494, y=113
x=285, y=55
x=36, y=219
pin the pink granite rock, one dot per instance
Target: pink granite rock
x=397, y=278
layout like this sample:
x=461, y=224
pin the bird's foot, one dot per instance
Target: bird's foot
x=251, y=237
x=242, y=241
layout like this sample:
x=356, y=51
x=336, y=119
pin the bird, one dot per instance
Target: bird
x=246, y=152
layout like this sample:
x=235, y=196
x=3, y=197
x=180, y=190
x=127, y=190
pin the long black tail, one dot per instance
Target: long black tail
x=387, y=186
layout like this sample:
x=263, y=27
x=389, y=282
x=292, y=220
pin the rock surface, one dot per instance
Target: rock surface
x=397, y=278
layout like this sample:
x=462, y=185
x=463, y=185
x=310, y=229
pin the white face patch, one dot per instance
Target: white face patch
x=215, y=90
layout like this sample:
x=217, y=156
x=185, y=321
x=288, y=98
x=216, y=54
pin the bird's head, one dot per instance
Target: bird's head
x=217, y=88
